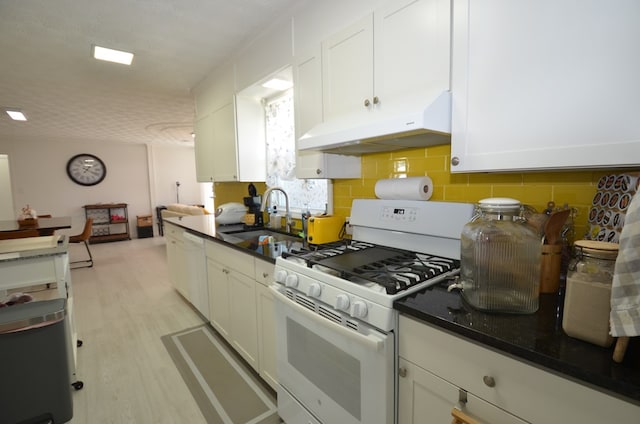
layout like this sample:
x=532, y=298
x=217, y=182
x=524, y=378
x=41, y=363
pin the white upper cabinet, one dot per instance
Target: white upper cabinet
x=215, y=146
x=250, y=139
x=307, y=74
x=230, y=143
x=385, y=81
x=400, y=51
x=545, y=84
x=204, y=147
x=412, y=48
x=347, y=70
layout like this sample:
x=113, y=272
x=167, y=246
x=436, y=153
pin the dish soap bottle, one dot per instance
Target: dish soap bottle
x=274, y=219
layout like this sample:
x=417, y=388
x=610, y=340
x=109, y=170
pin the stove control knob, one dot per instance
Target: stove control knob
x=314, y=290
x=342, y=302
x=359, y=309
x=280, y=276
x=291, y=280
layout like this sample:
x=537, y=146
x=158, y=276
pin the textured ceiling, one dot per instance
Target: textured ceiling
x=47, y=71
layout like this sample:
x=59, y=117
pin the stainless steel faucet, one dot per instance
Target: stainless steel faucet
x=265, y=200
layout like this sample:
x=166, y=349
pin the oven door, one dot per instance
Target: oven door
x=338, y=374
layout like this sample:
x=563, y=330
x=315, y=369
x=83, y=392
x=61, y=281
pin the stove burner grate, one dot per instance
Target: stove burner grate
x=394, y=269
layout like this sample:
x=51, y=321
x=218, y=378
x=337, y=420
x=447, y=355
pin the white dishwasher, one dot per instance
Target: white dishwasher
x=196, y=273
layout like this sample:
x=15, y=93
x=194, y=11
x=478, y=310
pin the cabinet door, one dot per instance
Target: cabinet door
x=544, y=84
x=412, y=48
x=347, y=70
x=307, y=80
x=176, y=260
x=219, y=297
x=204, y=148
x=223, y=160
x=250, y=138
x=242, y=303
x=267, y=335
x=307, y=72
x=423, y=397
x=426, y=398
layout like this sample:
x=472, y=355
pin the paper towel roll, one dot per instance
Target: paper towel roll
x=413, y=188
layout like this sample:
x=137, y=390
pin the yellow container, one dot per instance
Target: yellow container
x=324, y=229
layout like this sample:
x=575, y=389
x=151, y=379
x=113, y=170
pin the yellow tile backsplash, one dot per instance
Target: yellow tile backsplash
x=574, y=188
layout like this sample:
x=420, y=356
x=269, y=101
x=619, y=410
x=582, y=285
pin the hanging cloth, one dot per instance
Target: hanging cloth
x=625, y=290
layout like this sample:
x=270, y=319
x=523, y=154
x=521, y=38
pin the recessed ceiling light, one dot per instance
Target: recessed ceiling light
x=110, y=55
x=278, y=84
x=16, y=115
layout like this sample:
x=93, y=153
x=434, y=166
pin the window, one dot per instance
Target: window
x=314, y=194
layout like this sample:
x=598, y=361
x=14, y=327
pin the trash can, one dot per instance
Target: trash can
x=35, y=384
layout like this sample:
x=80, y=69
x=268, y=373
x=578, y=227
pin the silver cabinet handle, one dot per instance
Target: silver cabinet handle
x=489, y=381
x=455, y=161
x=402, y=372
x=367, y=103
x=376, y=100
x=265, y=274
x=318, y=171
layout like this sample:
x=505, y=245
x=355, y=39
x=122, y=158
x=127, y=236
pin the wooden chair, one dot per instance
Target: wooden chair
x=84, y=238
x=8, y=235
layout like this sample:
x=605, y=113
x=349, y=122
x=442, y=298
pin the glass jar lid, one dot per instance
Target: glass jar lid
x=597, y=249
x=499, y=205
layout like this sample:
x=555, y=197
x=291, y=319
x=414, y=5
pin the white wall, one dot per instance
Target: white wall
x=39, y=177
x=171, y=164
x=7, y=211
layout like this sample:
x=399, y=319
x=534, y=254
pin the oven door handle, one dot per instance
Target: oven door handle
x=370, y=341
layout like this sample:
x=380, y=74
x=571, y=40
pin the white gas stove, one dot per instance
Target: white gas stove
x=398, y=247
x=335, y=322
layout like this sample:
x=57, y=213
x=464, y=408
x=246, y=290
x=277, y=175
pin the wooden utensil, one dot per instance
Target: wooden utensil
x=551, y=258
x=553, y=226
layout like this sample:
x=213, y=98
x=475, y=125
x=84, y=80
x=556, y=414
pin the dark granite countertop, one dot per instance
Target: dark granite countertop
x=205, y=226
x=537, y=338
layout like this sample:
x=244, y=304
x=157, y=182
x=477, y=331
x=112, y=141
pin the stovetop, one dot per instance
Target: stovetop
x=382, y=268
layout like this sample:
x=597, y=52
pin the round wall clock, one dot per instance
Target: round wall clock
x=86, y=169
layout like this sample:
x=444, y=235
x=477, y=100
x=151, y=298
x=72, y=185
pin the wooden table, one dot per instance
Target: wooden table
x=45, y=226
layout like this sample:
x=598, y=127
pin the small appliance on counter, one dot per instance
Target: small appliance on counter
x=324, y=229
x=230, y=213
x=253, y=216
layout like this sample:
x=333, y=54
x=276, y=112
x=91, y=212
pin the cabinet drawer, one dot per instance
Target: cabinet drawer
x=519, y=388
x=264, y=272
x=173, y=231
x=231, y=258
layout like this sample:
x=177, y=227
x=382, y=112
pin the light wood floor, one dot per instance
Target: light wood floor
x=123, y=305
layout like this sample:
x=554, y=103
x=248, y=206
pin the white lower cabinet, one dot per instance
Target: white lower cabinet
x=176, y=258
x=439, y=370
x=241, y=306
x=426, y=398
x=244, y=327
x=218, y=297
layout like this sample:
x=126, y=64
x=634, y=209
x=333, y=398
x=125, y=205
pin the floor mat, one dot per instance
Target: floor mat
x=222, y=385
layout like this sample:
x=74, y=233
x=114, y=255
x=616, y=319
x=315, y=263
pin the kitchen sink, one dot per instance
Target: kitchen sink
x=254, y=235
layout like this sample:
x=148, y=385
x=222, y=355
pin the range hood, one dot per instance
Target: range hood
x=415, y=121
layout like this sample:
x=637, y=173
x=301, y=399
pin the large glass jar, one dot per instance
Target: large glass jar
x=500, y=259
x=587, y=302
